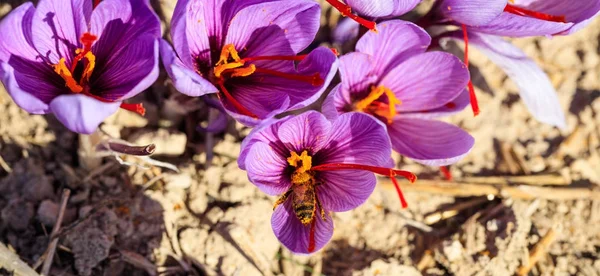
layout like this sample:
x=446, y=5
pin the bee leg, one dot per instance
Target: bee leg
x=282, y=199
x=320, y=207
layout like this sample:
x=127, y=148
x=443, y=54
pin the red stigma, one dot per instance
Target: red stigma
x=238, y=106
x=136, y=108
x=87, y=40
x=314, y=80
x=472, y=96
x=391, y=173
x=96, y=2
x=528, y=13
x=345, y=10
x=446, y=172
x=311, y=237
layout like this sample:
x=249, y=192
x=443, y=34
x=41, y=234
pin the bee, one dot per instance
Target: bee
x=304, y=200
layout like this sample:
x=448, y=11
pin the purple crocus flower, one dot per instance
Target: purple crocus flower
x=483, y=21
x=316, y=167
x=245, y=52
x=79, y=60
x=370, y=9
x=392, y=78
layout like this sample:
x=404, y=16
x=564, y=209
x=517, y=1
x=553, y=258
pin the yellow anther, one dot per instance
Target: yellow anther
x=89, y=68
x=63, y=71
x=227, y=51
x=376, y=93
x=221, y=68
x=304, y=158
x=243, y=72
x=373, y=96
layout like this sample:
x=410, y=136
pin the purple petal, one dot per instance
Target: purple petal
x=472, y=12
x=57, y=26
x=427, y=81
x=23, y=98
x=15, y=38
x=294, y=235
x=345, y=31
x=357, y=138
x=307, y=131
x=455, y=106
x=358, y=72
x=266, y=169
x=35, y=78
x=118, y=24
x=535, y=87
x=508, y=24
x=267, y=95
x=343, y=191
x=403, y=6
x=133, y=70
x=579, y=12
x=80, y=113
x=265, y=132
x=370, y=8
x=429, y=142
x=184, y=79
x=336, y=103
x=256, y=27
x=396, y=41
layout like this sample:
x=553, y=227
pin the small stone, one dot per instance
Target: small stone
x=47, y=212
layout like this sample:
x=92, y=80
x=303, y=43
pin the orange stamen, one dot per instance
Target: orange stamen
x=371, y=102
x=315, y=79
x=64, y=72
x=391, y=173
x=345, y=10
x=528, y=13
x=472, y=96
x=238, y=106
x=137, y=108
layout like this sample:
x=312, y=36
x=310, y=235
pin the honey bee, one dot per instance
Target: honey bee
x=304, y=200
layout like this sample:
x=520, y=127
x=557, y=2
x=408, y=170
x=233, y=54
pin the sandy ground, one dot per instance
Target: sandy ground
x=527, y=196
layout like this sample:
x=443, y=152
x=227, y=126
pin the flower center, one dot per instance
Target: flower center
x=88, y=59
x=66, y=73
x=302, y=163
x=375, y=105
x=345, y=10
x=230, y=65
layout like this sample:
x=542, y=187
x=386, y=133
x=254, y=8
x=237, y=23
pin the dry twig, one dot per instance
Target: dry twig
x=525, y=192
x=54, y=240
x=538, y=252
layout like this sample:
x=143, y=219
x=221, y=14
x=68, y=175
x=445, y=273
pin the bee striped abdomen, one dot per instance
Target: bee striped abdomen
x=305, y=206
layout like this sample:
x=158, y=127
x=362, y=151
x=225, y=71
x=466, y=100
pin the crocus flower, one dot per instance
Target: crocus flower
x=363, y=11
x=77, y=59
x=482, y=21
x=392, y=78
x=316, y=167
x=245, y=52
